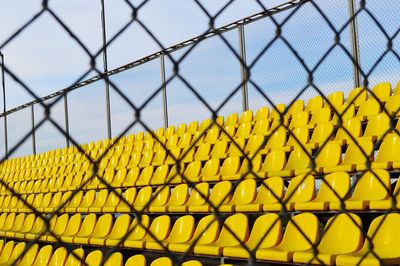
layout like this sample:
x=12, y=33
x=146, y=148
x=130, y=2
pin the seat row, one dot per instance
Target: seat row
x=372, y=190
x=342, y=242
x=20, y=253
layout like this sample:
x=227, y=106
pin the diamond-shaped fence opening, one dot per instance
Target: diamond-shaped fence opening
x=270, y=140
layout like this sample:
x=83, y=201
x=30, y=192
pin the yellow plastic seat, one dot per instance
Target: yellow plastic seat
x=315, y=104
x=261, y=127
x=159, y=230
x=181, y=232
x=6, y=252
x=385, y=240
x=368, y=108
x=275, y=141
x=345, y=112
x=30, y=255
x=44, y=256
x=371, y=186
x=71, y=229
x=134, y=160
x=178, y=198
x=98, y=203
x=246, y=117
x=389, y=153
x=392, y=105
x=55, y=202
x=75, y=258
x=145, y=176
x=334, y=187
x=211, y=136
x=160, y=175
x=254, y=144
x=235, y=230
x=377, y=126
x=16, y=253
x=219, y=195
x=261, y=114
x=323, y=115
x=295, y=107
x=115, y=259
x=381, y=91
x=26, y=227
x=301, y=189
x=59, y=257
x=211, y=171
x=159, y=157
x=269, y=192
x=125, y=205
x=163, y=261
x=159, y=199
x=198, y=197
x=192, y=172
x=299, y=120
x=356, y=157
x=336, y=98
x=357, y=96
x=37, y=228
x=143, y=198
x=350, y=130
x=113, y=200
x=101, y=229
x=386, y=204
x=94, y=258
x=232, y=119
x=245, y=193
x=118, y=231
x=265, y=233
x=301, y=233
x=297, y=137
x=236, y=147
x=136, y=260
x=138, y=229
x=203, y=152
x=192, y=263
x=74, y=202
x=342, y=235
x=16, y=225
x=9, y=222
x=230, y=169
x=321, y=134
x=244, y=130
x=56, y=229
x=299, y=159
x=131, y=177
x=184, y=140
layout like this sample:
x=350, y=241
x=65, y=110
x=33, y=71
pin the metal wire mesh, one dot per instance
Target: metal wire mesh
x=296, y=183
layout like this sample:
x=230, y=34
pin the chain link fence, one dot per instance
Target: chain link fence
x=271, y=140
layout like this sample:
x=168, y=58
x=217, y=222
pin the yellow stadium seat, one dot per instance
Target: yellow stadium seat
x=134, y=160
x=6, y=252
x=181, y=232
x=143, y=198
x=159, y=199
x=94, y=258
x=16, y=253
x=275, y=141
x=371, y=186
x=297, y=137
x=322, y=116
x=71, y=229
x=245, y=193
x=211, y=136
x=368, y=108
x=261, y=127
x=250, y=164
x=125, y=205
x=244, y=130
x=113, y=200
x=178, y=197
x=57, y=229
x=237, y=147
x=219, y=195
x=163, y=261
x=173, y=156
x=192, y=263
x=300, y=234
x=30, y=255
x=192, y=127
x=203, y=152
x=136, y=260
x=44, y=256
x=115, y=259
x=342, y=235
x=59, y=257
x=75, y=257
x=322, y=133
x=26, y=227
x=146, y=159
x=160, y=175
x=101, y=229
x=138, y=229
x=230, y=168
x=356, y=157
x=98, y=203
x=392, y=105
x=37, y=228
x=300, y=119
x=334, y=187
x=246, y=117
x=118, y=231
x=336, y=98
x=381, y=91
x=254, y=144
x=269, y=192
x=384, y=240
x=276, y=112
x=55, y=202
x=131, y=177
x=192, y=172
x=234, y=231
x=232, y=119
x=73, y=201
x=345, y=112
x=386, y=204
x=198, y=197
x=299, y=159
x=295, y=107
x=315, y=104
x=357, y=96
x=210, y=171
x=377, y=127
x=9, y=222
x=261, y=114
x=273, y=162
x=159, y=230
x=184, y=140
x=350, y=131
x=389, y=153
x=265, y=233
x=301, y=189
x=16, y=226
x=144, y=177
x=186, y=155
x=159, y=157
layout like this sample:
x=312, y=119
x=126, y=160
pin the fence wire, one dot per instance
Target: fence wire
x=288, y=183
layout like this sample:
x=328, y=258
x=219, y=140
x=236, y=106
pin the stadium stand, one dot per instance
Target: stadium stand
x=272, y=184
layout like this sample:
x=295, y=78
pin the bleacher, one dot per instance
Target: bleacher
x=305, y=184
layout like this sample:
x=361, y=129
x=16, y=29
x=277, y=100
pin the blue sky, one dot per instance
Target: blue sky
x=46, y=59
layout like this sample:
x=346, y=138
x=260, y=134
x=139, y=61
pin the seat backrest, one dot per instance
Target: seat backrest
x=299, y=159
x=74, y=224
x=211, y=168
x=44, y=255
x=368, y=108
x=161, y=196
x=352, y=128
x=163, y=261
x=235, y=230
x=315, y=103
x=192, y=171
x=207, y=230
x=245, y=192
x=298, y=136
x=266, y=232
x=30, y=255
x=301, y=189
x=328, y=155
x=28, y=223
x=88, y=199
x=342, y=234
x=254, y=144
x=322, y=133
x=392, y=105
x=94, y=258
x=299, y=119
x=115, y=259
x=138, y=228
x=381, y=91
x=160, y=228
x=88, y=224
x=144, y=196
x=295, y=107
x=179, y=195
x=357, y=96
x=261, y=127
x=59, y=257
x=246, y=117
x=377, y=126
x=335, y=186
x=262, y=114
x=121, y=226
x=136, y=260
x=220, y=193
x=389, y=149
x=301, y=232
x=103, y=226
x=274, y=161
x=372, y=185
x=101, y=198
x=197, y=193
x=182, y=230
x=336, y=98
x=271, y=190
x=230, y=166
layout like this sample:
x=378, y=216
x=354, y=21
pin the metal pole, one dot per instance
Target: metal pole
x=355, y=48
x=33, y=129
x=164, y=87
x=3, y=82
x=66, y=118
x=105, y=65
x=243, y=70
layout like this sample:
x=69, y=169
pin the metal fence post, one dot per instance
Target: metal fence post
x=355, y=48
x=243, y=70
x=164, y=88
x=3, y=83
x=33, y=129
x=66, y=118
x=105, y=65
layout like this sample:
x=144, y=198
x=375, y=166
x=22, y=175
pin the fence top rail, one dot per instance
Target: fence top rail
x=266, y=13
